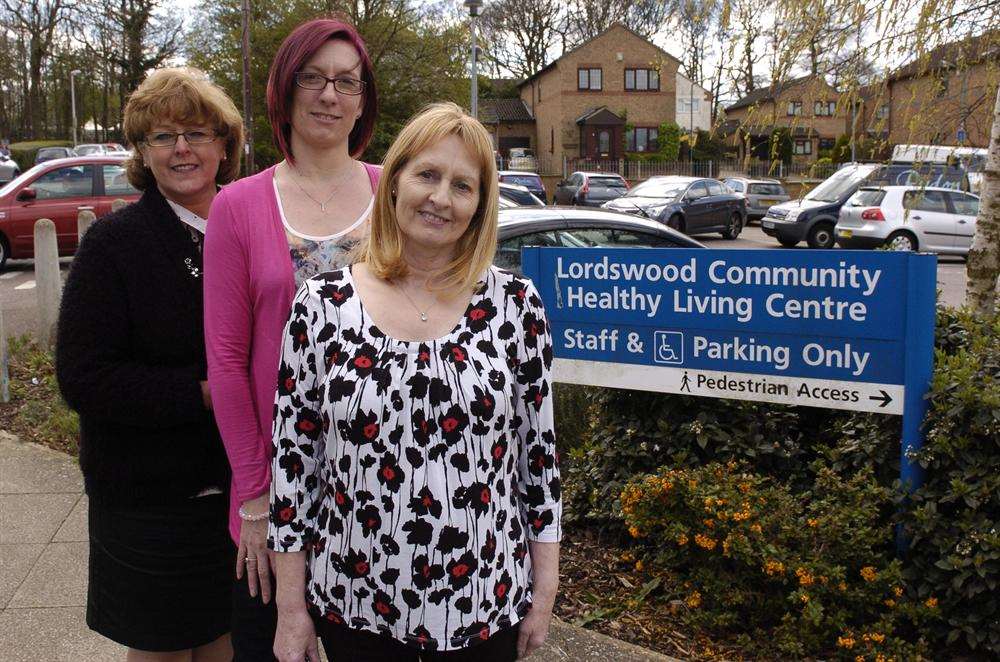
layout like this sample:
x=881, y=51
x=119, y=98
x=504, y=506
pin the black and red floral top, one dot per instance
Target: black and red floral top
x=415, y=473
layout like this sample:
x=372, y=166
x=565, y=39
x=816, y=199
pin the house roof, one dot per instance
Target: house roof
x=552, y=64
x=600, y=115
x=495, y=111
x=768, y=93
x=951, y=55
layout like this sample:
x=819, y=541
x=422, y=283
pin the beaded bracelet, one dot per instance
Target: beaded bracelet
x=247, y=517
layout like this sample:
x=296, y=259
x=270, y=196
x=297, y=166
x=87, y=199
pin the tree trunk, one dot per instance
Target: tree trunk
x=983, y=266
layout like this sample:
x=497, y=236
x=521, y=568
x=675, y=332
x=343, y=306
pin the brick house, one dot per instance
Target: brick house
x=510, y=122
x=928, y=100
x=808, y=107
x=602, y=99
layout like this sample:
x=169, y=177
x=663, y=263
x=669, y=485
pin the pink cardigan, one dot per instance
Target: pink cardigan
x=249, y=286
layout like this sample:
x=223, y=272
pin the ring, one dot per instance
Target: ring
x=251, y=560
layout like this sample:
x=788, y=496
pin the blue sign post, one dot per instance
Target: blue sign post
x=837, y=329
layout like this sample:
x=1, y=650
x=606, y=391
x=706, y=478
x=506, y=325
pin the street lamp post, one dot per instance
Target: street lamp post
x=474, y=6
x=72, y=99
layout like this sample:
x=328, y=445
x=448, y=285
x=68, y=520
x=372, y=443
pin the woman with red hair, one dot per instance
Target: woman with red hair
x=266, y=235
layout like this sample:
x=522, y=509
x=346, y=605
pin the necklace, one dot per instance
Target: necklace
x=422, y=313
x=322, y=205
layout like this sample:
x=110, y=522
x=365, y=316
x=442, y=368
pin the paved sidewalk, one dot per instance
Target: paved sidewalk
x=43, y=571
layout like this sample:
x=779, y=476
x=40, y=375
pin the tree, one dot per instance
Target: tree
x=748, y=19
x=589, y=18
x=984, y=258
x=518, y=34
x=694, y=19
x=669, y=141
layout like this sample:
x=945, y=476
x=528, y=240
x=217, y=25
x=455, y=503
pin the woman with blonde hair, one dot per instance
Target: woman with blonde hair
x=415, y=479
x=130, y=359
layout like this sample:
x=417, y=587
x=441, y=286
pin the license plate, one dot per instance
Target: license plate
x=767, y=224
x=768, y=203
x=846, y=234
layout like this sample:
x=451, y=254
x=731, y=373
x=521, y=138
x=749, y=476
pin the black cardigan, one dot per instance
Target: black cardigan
x=129, y=357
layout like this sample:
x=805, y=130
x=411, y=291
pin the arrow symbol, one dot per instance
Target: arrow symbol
x=885, y=398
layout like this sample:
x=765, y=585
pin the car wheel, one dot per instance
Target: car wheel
x=788, y=243
x=676, y=222
x=4, y=252
x=734, y=227
x=821, y=236
x=901, y=241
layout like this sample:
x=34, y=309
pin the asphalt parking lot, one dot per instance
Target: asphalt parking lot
x=18, y=297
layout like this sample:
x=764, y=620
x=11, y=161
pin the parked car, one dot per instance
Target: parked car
x=529, y=180
x=566, y=227
x=590, y=189
x=49, y=153
x=8, y=169
x=522, y=158
x=909, y=218
x=760, y=194
x=813, y=217
x=692, y=205
x=99, y=148
x=519, y=195
x=59, y=190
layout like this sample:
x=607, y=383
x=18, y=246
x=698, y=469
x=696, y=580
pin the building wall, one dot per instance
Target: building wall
x=928, y=109
x=702, y=115
x=556, y=101
x=513, y=130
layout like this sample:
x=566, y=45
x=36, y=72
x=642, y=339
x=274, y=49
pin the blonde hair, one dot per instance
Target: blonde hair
x=476, y=247
x=182, y=95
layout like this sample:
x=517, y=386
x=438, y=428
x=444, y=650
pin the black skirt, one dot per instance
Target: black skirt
x=161, y=577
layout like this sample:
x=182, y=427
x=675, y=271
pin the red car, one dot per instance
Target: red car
x=59, y=190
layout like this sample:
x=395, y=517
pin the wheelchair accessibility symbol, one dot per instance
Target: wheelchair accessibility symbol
x=668, y=347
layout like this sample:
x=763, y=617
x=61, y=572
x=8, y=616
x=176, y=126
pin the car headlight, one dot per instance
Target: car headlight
x=655, y=211
x=792, y=215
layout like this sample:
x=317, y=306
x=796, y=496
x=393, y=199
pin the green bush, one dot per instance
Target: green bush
x=816, y=459
x=24, y=153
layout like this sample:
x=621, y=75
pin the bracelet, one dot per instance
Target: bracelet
x=247, y=517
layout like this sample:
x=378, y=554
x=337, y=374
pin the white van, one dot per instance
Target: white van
x=972, y=159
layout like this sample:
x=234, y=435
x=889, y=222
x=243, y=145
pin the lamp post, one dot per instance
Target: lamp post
x=72, y=100
x=473, y=7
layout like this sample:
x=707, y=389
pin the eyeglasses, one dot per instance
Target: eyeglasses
x=169, y=138
x=311, y=80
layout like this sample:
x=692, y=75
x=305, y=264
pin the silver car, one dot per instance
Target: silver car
x=760, y=194
x=8, y=169
x=909, y=218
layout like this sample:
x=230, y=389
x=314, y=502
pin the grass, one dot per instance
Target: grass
x=36, y=411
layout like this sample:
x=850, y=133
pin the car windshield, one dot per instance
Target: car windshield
x=767, y=189
x=655, y=189
x=84, y=150
x=523, y=180
x=839, y=184
x=607, y=182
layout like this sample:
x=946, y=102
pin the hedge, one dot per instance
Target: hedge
x=24, y=152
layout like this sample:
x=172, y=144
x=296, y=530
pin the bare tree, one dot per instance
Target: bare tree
x=518, y=34
x=747, y=17
x=694, y=19
x=589, y=18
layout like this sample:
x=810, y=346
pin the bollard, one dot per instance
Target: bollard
x=83, y=221
x=118, y=204
x=48, y=283
x=4, y=364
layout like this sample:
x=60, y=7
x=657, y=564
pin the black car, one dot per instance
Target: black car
x=813, y=217
x=569, y=227
x=589, y=189
x=528, y=180
x=691, y=205
x=519, y=195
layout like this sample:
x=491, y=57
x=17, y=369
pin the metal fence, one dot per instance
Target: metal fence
x=641, y=170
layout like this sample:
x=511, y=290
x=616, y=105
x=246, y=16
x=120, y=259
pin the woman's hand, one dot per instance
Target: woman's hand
x=206, y=395
x=253, y=555
x=295, y=638
x=534, y=628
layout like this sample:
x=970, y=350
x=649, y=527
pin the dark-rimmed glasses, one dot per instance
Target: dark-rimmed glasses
x=169, y=138
x=310, y=80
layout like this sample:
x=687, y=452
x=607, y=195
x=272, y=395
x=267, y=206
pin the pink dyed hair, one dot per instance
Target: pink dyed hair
x=298, y=47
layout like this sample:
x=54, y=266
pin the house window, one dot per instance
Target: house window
x=688, y=105
x=794, y=108
x=803, y=147
x=827, y=143
x=642, y=80
x=588, y=79
x=824, y=108
x=883, y=112
x=641, y=139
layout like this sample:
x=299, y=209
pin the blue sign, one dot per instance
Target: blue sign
x=847, y=330
x=962, y=135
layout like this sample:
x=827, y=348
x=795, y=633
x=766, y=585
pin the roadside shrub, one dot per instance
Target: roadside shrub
x=24, y=153
x=800, y=573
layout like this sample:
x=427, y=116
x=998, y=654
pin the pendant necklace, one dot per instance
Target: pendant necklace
x=322, y=205
x=422, y=313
